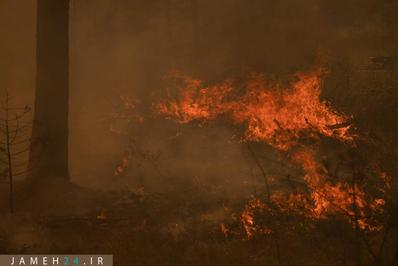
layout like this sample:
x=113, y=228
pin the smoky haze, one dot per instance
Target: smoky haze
x=124, y=48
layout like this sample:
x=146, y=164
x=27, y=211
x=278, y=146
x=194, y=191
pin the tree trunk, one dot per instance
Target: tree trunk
x=49, y=149
x=195, y=29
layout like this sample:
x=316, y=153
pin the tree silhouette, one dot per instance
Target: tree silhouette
x=50, y=130
x=14, y=132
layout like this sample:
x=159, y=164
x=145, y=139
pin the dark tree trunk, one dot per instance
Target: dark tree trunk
x=195, y=28
x=49, y=150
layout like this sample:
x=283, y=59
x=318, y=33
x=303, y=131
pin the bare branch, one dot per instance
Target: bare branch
x=20, y=152
x=16, y=143
x=258, y=163
x=24, y=172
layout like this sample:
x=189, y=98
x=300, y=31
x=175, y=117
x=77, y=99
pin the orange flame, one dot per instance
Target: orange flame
x=349, y=200
x=248, y=220
x=280, y=116
x=196, y=101
x=273, y=114
x=224, y=229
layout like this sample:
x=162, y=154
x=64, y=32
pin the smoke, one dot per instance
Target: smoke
x=126, y=47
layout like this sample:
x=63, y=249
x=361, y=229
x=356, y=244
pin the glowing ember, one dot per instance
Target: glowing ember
x=121, y=167
x=101, y=215
x=248, y=220
x=224, y=229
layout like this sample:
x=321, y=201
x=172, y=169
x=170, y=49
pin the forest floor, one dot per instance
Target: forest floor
x=176, y=228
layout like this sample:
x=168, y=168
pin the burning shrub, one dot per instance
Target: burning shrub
x=282, y=116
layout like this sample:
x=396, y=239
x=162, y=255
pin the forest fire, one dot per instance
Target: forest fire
x=273, y=113
x=199, y=132
x=281, y=116
x=327, y=197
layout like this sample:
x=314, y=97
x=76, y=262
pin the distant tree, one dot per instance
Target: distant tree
x=50, y=130
x=14, y=144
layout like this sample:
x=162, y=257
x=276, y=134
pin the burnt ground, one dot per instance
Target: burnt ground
x=175, y=228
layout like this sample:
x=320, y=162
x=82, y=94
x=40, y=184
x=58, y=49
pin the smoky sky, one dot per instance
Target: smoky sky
x=125, y=47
